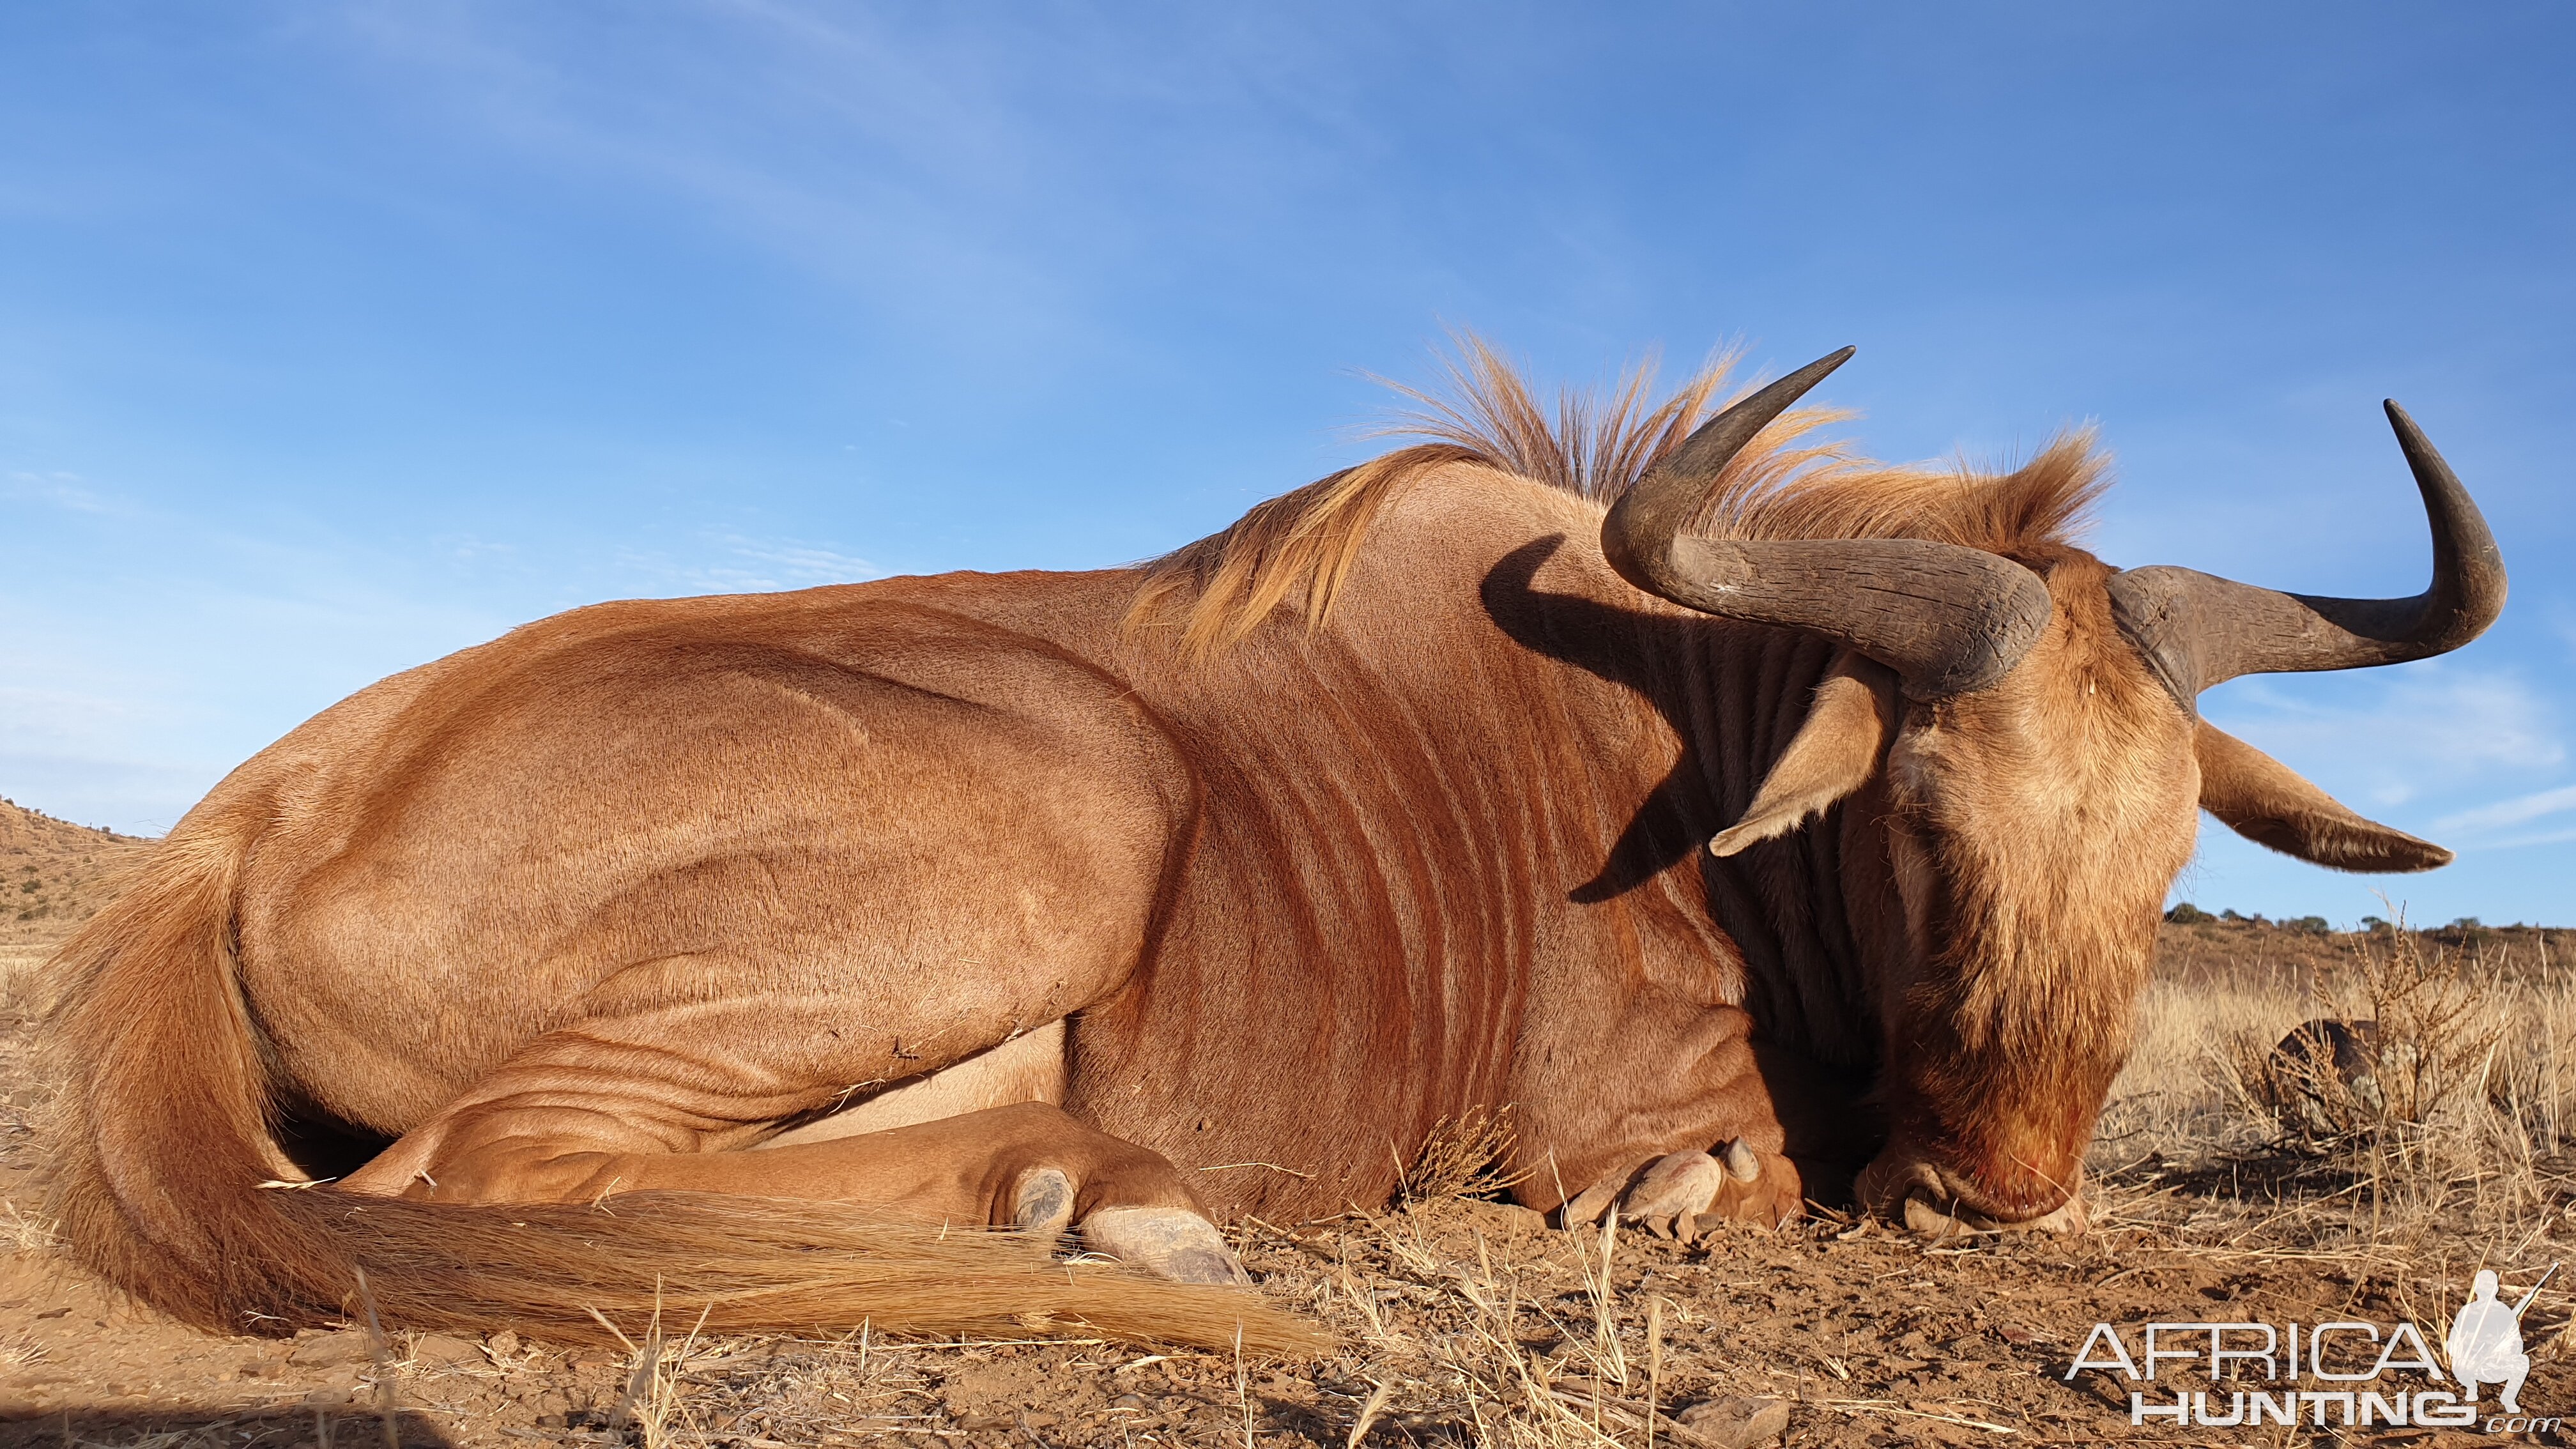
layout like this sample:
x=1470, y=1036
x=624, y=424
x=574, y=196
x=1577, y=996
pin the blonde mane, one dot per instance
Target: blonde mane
x=1784, y=484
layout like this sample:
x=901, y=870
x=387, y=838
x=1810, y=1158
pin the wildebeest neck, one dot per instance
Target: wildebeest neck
x=1813, y=916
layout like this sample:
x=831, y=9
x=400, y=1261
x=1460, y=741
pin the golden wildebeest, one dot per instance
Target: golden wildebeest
x=1118, y=902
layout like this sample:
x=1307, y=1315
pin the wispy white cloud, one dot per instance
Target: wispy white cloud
x=753, y=565
x=60, y=490
x=788, y=564
x=998, y=181
x=60, y=718
x=2516, y=811
x=472, y=549
x=916, y=183
x=2430, y=729
x=83, y=748
x=2518, y=842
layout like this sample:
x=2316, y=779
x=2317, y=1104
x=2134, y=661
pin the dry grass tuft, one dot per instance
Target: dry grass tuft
x=27, y=1232
x=2416, y=1122
x=650, y=1402
x=1464, y=1156
x=26, y=988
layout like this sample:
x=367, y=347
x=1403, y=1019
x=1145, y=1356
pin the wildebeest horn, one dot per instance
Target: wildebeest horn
x=2197, y=629
x=1947, y=619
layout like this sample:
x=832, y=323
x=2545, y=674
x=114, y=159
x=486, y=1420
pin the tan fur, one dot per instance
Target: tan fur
x=1833, y=754
x=1027, y=1068
x=2268, y=803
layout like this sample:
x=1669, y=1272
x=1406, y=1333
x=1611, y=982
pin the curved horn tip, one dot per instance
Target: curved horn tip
x=2247, y=630
x=2411, y=440
x=1773, y=398
x=2404, y=422
x=1638, y=533
x=2449, y=501
x=1825, y=365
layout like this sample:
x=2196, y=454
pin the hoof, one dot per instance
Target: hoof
x=1587, y=1206
x=1754, y=1187
x=1742, y=1163
x=1169, y=1243
x=1043, y=1207
x=1924, y=1218
x=1682, y=1194
x=1678, y=1183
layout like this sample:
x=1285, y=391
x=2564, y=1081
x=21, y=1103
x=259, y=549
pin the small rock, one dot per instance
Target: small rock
x=550, y=1421
x=504, y=1344
x=332, y=1350
x=1735, y=1421
x=439, y=1349
x=1134, y=1403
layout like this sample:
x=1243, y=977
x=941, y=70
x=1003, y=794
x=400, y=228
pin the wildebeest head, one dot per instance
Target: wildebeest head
x=2036, y=723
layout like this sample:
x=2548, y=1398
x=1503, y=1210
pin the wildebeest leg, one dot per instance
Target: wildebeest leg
x=1673, y=1122
x=576, y=1118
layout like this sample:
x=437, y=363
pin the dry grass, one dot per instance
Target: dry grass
x=26, y=989
x=25, y=1231
x=1461, y=1157
x=2454, y=1160
x=651, y=1403
x=1459, y=1320
x=2447, y=1154
x=2456, y=1125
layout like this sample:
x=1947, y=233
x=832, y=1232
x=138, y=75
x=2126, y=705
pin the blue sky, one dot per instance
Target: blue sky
x=336, y=337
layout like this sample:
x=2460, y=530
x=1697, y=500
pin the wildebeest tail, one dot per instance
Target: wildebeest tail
x=169, y=1181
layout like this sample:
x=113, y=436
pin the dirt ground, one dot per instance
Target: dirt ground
x=1461, y=1320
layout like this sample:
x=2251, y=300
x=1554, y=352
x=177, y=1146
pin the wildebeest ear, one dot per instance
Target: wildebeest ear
x=1834, y=753
x=2271, y=804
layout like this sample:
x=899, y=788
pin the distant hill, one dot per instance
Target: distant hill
x=2195, y=945
x=54, y=874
